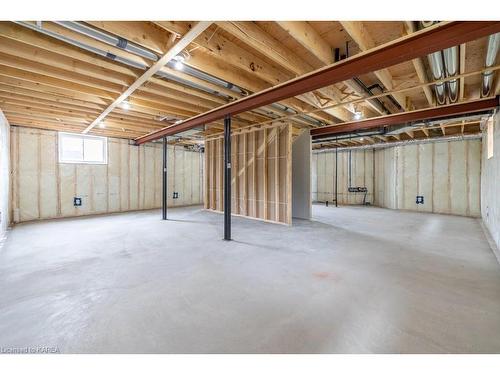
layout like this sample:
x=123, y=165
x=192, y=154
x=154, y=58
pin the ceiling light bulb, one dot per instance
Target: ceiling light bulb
x=179, y=62
x=179, y=65
x=102, y=125
x=357, y=115
x=361, y=139
x=125, y=105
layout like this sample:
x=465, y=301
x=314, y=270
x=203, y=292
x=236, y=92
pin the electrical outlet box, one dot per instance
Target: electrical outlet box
x=176, y=195
x=420, y=199
x=77, y=201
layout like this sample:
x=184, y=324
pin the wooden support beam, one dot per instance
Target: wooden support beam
x=418, y=44
x=462, y=71
x=419, y=67
x=172, y=52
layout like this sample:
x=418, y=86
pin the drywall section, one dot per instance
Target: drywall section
x=43, y=188
x=490, y=184
x=446, y=174
x=301, y=176
x=4, y=175
x=261, y=164
x=355, y=169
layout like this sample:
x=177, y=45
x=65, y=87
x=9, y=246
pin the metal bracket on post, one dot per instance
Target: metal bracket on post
x=164, y=180
x=227, y=178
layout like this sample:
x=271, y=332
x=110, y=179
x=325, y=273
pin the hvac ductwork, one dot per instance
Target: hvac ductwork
x=444, y=64
x=451, y=69
x=137, y=50
x=108, y=38
x=491, y=56
x=437, y=68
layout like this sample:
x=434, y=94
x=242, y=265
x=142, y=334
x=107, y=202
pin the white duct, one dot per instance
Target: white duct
x=491, y=56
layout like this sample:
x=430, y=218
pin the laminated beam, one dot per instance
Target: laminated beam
x=421, y=43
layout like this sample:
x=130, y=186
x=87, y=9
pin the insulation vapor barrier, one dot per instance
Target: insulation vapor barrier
x=43, y=188
x=446, y=174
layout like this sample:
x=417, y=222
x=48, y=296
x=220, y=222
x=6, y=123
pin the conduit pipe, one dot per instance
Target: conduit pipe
x=491, y=56
x=358, y=85
x=448, y=138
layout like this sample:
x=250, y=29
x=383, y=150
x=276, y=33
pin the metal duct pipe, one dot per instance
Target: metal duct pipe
x=140, y=51
x=81, y=45
x=437, y=68
x=448, y=138
x=491, y=56
x=444, y=64
x=451, y=69
x=108, y=38
x=427, y=23
x=114, y=58
x=104, y=37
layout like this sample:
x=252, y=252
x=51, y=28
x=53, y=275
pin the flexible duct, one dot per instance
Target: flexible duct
x=491, y=56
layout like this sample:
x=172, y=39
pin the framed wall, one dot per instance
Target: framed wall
x=261, y=184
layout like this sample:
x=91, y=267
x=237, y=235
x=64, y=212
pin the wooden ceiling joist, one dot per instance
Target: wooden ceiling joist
x=54, y=68
x=172, y=52
x=418, y=44
x=362, y=38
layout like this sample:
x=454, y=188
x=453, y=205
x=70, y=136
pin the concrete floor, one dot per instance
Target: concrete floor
x=354, y=280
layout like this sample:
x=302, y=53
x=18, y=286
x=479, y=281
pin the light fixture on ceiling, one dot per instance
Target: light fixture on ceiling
x=125, y=105
x=102, y=125
x=361, y=139
x=357, y=115
x=179, y=62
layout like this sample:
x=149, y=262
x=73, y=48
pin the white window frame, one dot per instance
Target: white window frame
x=82, y=137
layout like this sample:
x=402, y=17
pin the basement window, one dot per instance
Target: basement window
x=85, y=149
